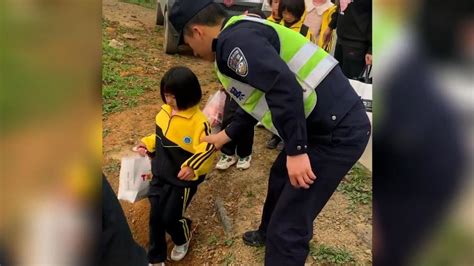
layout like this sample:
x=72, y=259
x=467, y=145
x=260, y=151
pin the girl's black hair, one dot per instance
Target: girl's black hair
x=183, y=84
x=295, y=7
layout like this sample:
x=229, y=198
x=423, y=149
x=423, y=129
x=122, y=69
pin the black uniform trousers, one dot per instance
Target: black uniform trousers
x=288, y=212
x=167, y=208
x=351, y=59
x=242, y=145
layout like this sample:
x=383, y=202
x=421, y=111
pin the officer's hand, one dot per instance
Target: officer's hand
x=327, y=36
x=218, y=139
x=299, y=170
x=186, y=173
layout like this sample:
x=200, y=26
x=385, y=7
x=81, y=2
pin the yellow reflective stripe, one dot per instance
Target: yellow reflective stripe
x=311, y=63
x=320, y=71
x=260, y=107
x=301, y=57
x=268, y=124
x=243, y=90
x=253, y=99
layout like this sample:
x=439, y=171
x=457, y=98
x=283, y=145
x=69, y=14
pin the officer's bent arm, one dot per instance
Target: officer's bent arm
x=267, y=72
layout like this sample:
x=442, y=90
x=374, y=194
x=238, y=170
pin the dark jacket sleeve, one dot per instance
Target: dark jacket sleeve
x=270, y=74
x=117, y=244
x=241, y=122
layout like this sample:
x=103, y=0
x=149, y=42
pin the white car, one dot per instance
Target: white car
x=170, y=43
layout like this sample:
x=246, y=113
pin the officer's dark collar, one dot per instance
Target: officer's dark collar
x=214, y=41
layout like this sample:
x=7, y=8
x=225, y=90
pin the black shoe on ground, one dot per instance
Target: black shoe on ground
x=273, y=142
x=254, y=239
x=280, y=146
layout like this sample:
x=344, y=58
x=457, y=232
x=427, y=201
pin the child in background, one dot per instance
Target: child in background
x=180, y=162
x=318, y=16
x=293, y=14
x=275, y=16
x=243, y=146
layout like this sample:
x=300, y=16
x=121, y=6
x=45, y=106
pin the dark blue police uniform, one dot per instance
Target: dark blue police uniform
x=334, y=136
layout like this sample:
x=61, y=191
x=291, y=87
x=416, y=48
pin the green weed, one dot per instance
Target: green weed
x=228, y=259
x=119, y=91
x=229, y=242
x=250, y=194
x=212, y=240
x=357, y=185
x=331, y=255
x=113, y=167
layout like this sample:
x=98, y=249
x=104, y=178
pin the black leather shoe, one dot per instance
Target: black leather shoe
x=254, y=239
x=273, y=142
x=281, y=146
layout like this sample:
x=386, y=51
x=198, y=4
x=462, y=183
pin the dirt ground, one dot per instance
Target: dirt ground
x=243, y=192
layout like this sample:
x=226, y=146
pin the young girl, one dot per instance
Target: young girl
x=318, y=16
x=293, y=15
x=180, y=162
x=275, y=16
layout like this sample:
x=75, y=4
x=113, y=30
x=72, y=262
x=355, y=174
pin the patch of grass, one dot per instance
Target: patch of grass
x=331, y=255
x=250, y=194
x=144, y=3
x=213, y=240
x=113, y=167
x=228, y=259
x=357, y=185
x=105, y=132
x=260, y=253
x=229, y=242
x=119, y=91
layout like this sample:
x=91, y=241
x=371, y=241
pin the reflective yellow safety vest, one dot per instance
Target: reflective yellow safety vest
x=310, y=64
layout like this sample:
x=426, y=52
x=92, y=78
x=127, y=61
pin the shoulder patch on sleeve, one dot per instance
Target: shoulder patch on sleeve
x=237, y=62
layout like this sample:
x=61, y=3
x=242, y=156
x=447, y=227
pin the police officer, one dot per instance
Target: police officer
x=297, y=91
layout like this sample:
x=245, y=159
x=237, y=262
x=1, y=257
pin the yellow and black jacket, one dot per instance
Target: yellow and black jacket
x=300, y=27
x=176, y=143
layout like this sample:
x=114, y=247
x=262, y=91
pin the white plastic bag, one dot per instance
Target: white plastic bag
x=364, y=90
x=214, y=109
x=134, y=182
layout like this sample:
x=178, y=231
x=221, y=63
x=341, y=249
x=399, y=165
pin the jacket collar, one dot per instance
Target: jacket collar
x=188, y=113
x=297, y=25
x=319, y=8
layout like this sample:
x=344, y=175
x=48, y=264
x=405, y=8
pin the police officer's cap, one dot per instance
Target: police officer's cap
x=183, y=11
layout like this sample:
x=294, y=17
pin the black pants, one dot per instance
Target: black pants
x=351, y=60
x=167, y=215
x=288, y=213
x=242, y=145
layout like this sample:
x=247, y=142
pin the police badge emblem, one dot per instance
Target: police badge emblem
x=237, y=62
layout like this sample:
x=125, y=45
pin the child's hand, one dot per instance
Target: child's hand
x=186, y=173
x=140, y=149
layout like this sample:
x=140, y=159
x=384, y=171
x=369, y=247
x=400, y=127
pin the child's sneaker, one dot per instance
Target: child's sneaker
x=225, y=162
x=179, y=252
x=244, y=163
